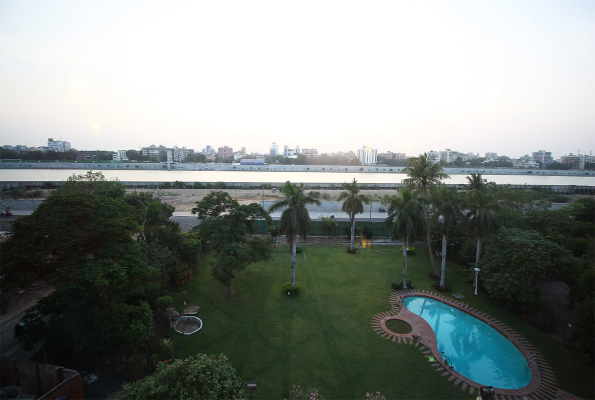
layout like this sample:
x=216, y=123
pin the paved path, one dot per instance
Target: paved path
x=542, y=385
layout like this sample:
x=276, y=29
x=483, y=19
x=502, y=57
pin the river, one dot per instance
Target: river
x=56, y=175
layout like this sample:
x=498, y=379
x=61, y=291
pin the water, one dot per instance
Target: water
x=37, y=175
x=477, y=351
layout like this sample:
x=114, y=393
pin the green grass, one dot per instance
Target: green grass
x=398, y=326
x=323, y=338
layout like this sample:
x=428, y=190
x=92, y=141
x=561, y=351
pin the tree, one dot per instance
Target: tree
x=295, y=219
x=475, y=181
x=195, y=377
x=225, y=224
x=405, y=220
x=447, y=204
x=515, y=259
x=480, y=217
x=328, y=225
x=81, y=244
x=424, y=172
x=353, y=204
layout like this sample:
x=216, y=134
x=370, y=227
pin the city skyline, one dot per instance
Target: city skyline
x=395, y=76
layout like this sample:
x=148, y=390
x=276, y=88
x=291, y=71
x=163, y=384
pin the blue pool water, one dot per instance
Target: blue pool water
x=476, y=350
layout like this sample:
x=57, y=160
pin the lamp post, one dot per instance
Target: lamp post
x=476, y=282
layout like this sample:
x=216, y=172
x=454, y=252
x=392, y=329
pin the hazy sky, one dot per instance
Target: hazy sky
x=509, y=77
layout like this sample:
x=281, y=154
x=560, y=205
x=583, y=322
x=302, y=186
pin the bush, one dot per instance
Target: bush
x=397, y=284
x=434, y=275
x=436, y=285
x=163, y=302
x=293, y=290
x=165, y=185
x=14, y=193
x=196, y=185
x=539, y=314
x=410, y=250
x=245, y=186
x=179, y=185
x=326, y=196
x=219, y=185
x=299, y=249
x=192, y=378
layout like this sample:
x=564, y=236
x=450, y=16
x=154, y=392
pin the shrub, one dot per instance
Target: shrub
x=434, y=275
x=539, y=314
x=179, y=185
x=219, y=185
x=200, y=376
x=293, y=290
x=209, y=185
x=163, y=302
x=326, y=196
x=166, y=185
x=245, y=186
x=14, y=193
x=299, y=249
x=167, y=347
x=436, y=285
x=297, y=392
x=410, y=250
x=397, y=284
x=315, y=195
x=196, y=185
x=373, y=396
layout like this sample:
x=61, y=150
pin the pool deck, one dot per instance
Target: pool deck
x=543, y=382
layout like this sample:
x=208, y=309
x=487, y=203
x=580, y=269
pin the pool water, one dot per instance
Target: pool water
x=476, y=350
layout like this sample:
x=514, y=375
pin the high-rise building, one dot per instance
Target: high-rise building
x=291, y=152
x=491, y=156
x=577, y=161
x=367, y=156
x=310, y=153
x=58, y=145
x=542, y=156
x=225, y=152
x=274, y=149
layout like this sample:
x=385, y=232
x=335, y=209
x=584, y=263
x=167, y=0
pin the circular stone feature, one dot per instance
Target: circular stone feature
x=187, y=325
x=398, y=326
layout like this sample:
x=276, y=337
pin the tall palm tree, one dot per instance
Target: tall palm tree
x=475, y=181
x=353, y=204
x=447, y=204
x=405, y=221
x=295, y=220
x=424, y=172
x=481, y=215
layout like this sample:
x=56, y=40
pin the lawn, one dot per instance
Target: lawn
x=323, y=337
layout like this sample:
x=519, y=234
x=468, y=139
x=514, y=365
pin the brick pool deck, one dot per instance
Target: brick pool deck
x=543, y=382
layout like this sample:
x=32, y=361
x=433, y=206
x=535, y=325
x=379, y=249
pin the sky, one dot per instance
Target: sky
x=506, y=76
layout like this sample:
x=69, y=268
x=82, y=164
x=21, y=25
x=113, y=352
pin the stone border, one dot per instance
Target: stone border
x=543, y=381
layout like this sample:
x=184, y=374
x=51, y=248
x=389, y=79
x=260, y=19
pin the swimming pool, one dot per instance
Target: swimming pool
x=476, y=350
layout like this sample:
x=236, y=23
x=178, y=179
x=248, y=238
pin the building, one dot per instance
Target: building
x=209, y=151
x=310, y=153
x=448, y=156
x=274, y=149
x=577, y=161
x=491, y=156
x=120, y=155
x=180, y=154
x=58, y=145
x=471, y=156
x=291, y=152
x=367, y=156
x=225, y=152
x=542, y=156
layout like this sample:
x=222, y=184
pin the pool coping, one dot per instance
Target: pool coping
x=543, y=382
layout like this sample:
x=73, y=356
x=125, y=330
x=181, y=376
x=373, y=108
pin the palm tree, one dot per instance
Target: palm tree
x=353, y=204
x=424, y=172
x=481, y=215
x=475, y=181
x=447, y=204
x=404, y=221
x=295, y=220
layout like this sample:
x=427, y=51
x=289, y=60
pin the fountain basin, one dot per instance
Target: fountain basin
x=187, y=325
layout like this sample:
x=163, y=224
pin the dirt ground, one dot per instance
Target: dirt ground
x=185, y=199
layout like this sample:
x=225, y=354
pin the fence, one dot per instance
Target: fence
x=377, y=229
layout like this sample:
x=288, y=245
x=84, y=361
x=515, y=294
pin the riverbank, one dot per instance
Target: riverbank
x=164, y=166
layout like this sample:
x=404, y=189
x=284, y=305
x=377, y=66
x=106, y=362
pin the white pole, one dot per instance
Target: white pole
x=476, y=274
